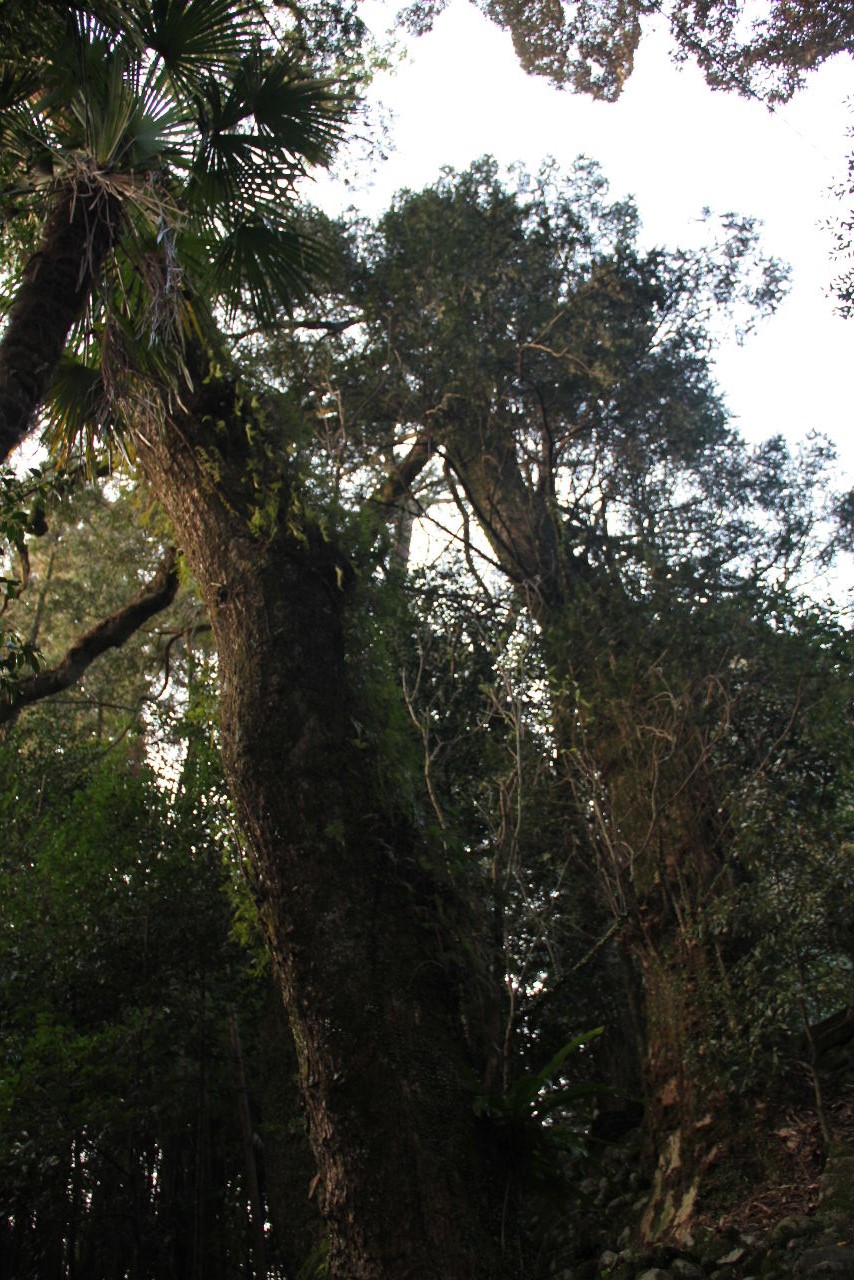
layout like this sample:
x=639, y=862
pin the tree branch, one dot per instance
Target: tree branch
x=109, y=633
x=331, y=328
x=399, y=481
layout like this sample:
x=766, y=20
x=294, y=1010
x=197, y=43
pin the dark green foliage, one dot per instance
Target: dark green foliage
x=590, y=48
x=532, y=1115
x=23, y=505
x=121, y=1153
x=150, y=156
x=781, y=913
x=727, y=718
x=559, y=383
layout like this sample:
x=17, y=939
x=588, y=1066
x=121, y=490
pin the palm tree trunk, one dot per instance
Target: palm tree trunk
x=54, y=290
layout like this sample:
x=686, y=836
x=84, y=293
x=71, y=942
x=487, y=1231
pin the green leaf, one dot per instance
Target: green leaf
x=264, y=267
x=526, y=1091
x=192, y=36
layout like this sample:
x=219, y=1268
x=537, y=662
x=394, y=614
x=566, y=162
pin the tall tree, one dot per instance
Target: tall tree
x=519, y=339
x=369, y=931
x=365, y=923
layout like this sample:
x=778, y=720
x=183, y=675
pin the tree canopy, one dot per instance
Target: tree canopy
x=590, y=48
x=561, y=818
x=156, y=148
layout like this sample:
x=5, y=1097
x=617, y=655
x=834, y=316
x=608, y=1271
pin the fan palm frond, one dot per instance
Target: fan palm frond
x=178, y=136
x=263, y=266
x=190, y=39
x=77, y=413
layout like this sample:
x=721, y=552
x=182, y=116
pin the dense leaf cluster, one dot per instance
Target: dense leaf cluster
x=121, y=1152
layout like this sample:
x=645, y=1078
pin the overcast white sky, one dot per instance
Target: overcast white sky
x=677, y=147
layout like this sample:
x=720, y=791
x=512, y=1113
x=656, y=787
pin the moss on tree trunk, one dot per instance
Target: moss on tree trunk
x=365, y=929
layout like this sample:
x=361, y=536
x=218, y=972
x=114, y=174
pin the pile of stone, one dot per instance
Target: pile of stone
x=800, y=1247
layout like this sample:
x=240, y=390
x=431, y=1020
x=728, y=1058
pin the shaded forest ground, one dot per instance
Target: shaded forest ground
x=799, y=1219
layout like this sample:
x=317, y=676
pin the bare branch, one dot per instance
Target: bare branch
x=329, y=328
x=109, y=633
x=398, y=483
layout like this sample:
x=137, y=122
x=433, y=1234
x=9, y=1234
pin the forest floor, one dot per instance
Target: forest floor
x=799, y=1159
x=795, y=1223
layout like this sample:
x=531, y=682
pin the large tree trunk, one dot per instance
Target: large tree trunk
x=55, y=287
x=690, y=1122
x=364, y=927
x=644, y=806
x=638, y=758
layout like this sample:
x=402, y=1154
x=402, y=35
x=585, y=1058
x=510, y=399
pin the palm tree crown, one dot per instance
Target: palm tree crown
x=148, y=155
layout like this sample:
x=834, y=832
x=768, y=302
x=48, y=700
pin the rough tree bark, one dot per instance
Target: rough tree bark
x=668, y=874
x=363, y=924
x=55, y=287
x=656, y=846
